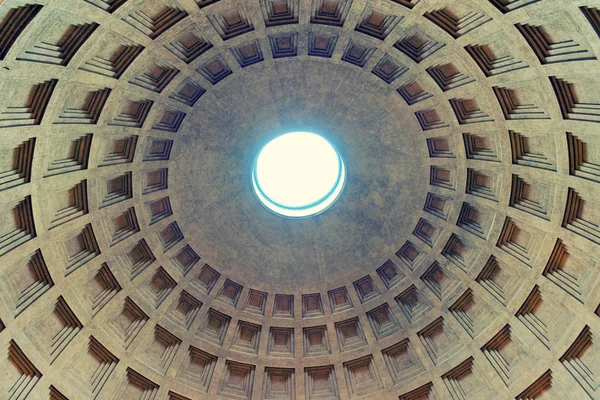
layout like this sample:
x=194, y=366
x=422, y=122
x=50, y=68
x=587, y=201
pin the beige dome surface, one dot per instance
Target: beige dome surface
x=461, y=261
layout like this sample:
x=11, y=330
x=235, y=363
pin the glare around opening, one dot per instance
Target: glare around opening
x=298, y=174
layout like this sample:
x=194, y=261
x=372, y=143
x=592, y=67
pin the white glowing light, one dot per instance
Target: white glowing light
x=298, y=174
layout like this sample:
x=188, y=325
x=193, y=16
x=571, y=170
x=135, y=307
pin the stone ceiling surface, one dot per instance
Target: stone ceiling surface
x=461, y=261
x=374, y=132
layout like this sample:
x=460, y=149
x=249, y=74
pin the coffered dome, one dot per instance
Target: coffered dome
x=460, y=261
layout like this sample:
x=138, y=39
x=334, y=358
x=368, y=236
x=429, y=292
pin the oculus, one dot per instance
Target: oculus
x=298, y=175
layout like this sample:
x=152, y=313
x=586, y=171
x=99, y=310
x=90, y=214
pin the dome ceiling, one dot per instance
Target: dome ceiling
x=227, y=225
x=460, y=262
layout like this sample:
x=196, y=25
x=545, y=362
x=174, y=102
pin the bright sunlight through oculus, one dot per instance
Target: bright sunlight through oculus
x=298, y=174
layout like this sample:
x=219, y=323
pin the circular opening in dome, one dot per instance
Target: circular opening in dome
x=298, y=174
